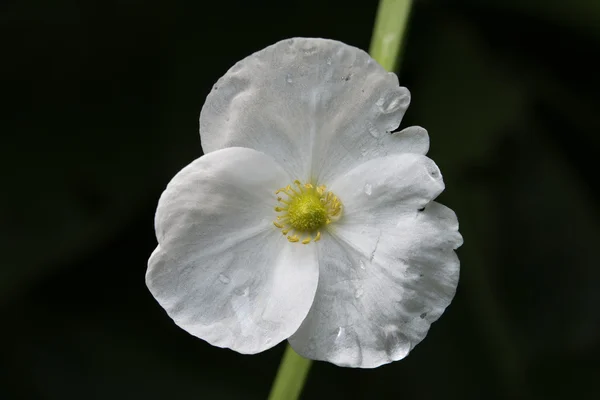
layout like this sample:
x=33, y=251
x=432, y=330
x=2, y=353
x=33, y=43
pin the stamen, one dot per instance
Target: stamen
x=293, y=191
x=307, y=209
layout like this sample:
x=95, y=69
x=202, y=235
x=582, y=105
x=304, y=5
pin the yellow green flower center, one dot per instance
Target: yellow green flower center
x=305, y=210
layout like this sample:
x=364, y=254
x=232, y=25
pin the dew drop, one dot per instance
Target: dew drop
x=392, y=105
x=309, y=51
x=397, y=345
x=328, y=60
x=359, y=292
x=362, y=265
x=224, y=279
x=246, y=292
x=288, y=78
x=422, y=316
x=368, y=189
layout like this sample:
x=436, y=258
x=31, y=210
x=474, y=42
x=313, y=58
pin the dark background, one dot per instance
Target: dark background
x=100, y=109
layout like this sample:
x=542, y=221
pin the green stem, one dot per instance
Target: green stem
x=386, y=44
x=290, y=376
x=388, y=34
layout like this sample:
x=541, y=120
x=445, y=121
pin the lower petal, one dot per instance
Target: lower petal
x=380, y=288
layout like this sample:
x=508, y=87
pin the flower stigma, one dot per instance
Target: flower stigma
x=306, y=210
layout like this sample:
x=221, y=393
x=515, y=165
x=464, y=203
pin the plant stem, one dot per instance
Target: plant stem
x=386, y=45
x=290, y=376
x=388, y=34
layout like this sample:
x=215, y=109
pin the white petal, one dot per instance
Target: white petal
x=387, y=268
x=221, y=270
x=378, y=190
x=318, y=107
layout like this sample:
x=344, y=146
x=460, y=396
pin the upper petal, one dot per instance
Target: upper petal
x=318, y=107
x=221, y=269
x=380, y=189
x=387, y=268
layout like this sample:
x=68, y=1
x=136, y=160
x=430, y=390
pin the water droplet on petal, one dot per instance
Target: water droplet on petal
x=309, y=50
x=246, y=292
x=368, y=189
x=362, y=265
x=397, y=345
x=328, y=60
x=340, y=333
x=391, y=102
x=224, y=279
x=288, y=78
x=392, y=105
x=359, y=292
x=422, y=316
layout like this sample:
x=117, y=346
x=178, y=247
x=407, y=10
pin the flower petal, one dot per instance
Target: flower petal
x=221, y=270
x=387, y=268
x=318, y=107
x=378, y=190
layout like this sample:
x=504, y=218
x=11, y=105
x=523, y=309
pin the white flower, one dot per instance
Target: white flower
x=306, y=219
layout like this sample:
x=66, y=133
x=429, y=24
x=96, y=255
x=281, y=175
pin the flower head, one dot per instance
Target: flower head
x=306, y=219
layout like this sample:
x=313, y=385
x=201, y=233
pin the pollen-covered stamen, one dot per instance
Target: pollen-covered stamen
x=306, y=210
